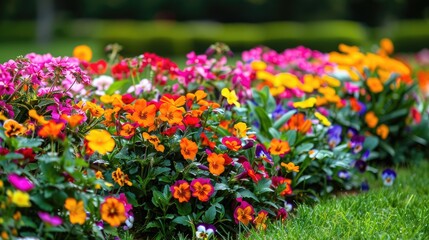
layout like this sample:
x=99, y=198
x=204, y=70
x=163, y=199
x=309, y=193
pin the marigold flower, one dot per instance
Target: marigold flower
x=120, y=178
x=374, y=85
x=290, y=167
x=232, y=143
x=100, y=140
x=382, y=131
x=113, y=211
x=244, y=213
x=230, y=96
x=51, y=129
x=82, y=52
x=181, y=190
x=371, y=119
x=216, y=163
x=76, y=210
x=202, y=189
x=19, y=198
x=306, y=103
x=260, y=220
x=188, y=149
x=324, y=120
x=170, y=114
x=278, y=147
x=13, y=128
x=241, y=129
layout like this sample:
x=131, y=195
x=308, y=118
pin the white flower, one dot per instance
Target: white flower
x=203, y=232
x=143, y=86
x=102, y=83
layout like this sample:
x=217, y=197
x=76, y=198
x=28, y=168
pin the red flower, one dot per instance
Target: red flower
x=98, y=67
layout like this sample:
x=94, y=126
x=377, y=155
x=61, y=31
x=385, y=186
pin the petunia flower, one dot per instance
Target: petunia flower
x=20, y=183
x=51, y=220
x=388, y=176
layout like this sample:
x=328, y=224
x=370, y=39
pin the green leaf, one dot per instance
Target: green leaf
x=393, y=115
x=221, y=186
x=274, y=133
x=263, y=186
x=370, y=142
x=184, y=208
x=118, y=86
x=29, y=142
x=283, y=119
x=247, y=194
x=182, y=220
x=210, y=215
x=291, y=137
x=386, y=147
x=303, y=148
x=323, y=154
x=302, y=178
x=264, y=120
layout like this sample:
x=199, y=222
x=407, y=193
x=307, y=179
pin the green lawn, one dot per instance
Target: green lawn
x=397, y=212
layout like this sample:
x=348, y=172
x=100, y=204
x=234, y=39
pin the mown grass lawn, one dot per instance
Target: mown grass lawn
x=397, y=212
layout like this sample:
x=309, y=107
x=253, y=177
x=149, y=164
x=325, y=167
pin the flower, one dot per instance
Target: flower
x=204, y=231
x=322, y=119
x=262, y=153
x=202, y=189
x=290, y=167
x=76, y=210
x=188, y=149
x=73, y=120
x=13, y=128
x=306, y=103
x=100, y=140
x=282, y=214
x=388, y=176
x=181, y=191
x=241, y=129
x=20, y=183
x=120, y=178
x=386, y=45
x=299, y=123
x=230, y=96
x=144, y=114
x=334, y=135
x=19, y=198
x=382, y=131
x=260, y=220
x=170, y=113
x=361, y=165
x=374, y=85
x=371, y=119
x=216, y=163
x=279, y=147
x=423, y=80
x=113, y=211
x=232, y=143
x=102, y=83
x=244, y=212
x=344, y=174
x=51, y=220
x=51, y=129
x=155, y=141
x=82, y=52
x=127, y=130
x=280, y=182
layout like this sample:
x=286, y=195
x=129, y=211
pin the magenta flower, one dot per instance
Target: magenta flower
x=51, y=220
x=202, y=189
x=244, y=212
x=20, y=183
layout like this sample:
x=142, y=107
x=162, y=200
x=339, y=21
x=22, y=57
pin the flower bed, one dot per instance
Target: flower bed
x=139, y=146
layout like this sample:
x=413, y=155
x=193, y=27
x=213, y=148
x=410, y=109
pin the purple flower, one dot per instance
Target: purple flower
x=20, y=183
x=388, y=176
x=364, y=186
x=51, y=220
x=334, y=135
x=204, y=231
x=344, y=174
x=262, y=153
x=356, y=143
x=361, y=165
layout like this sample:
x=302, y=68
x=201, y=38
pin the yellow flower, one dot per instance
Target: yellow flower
x=387, y=45
x=306, y=103
x=100, y=140
x=322, y=119
x=82, y=52
x=258, y=65
x=19, y=198
x=76, y=210
x=1, y=184
x=230, y=96
x=290, y=167
x=382, y=131
x=241, y=129
x=287, y=79
x=374, y=85
x=371, y=119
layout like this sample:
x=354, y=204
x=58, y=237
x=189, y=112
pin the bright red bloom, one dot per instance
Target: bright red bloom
x=127, y=98
x=98, y=67
x=202, y=189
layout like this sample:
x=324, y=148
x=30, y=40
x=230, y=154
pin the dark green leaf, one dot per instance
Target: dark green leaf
x=210, y=215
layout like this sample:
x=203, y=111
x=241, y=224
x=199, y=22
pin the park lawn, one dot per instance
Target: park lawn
x=397, y=212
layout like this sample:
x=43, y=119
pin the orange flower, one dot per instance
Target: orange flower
x=386, y=45
x=244, y=213
x=170, y=114
x=40, y=119
x=155, y=141
x=51, y=129
x=82, y=52
x=175, y=101
x=206, y=142
x=423, y=77
x=127, y=131
x=260, y=220
x=76, y=210
x=144, y=114
x=299, y=123
x=382, y=131
x=290, y=167
x=232, y=143
x=202, y=189
x=216, y=163
x=73, y=120
x=13, y=128
x=371, y=119
x=120, y=178
x=94, y=109
x=113, y=211
x=188, y=149
x=374, y=85
x=181, y=191
x=279, y=147
x=100, y=140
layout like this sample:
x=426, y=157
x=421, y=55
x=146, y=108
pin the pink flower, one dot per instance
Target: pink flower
x=20, y=183
x=244, y=212
x=51, y=220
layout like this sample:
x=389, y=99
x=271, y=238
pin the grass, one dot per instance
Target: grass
x=397, y=212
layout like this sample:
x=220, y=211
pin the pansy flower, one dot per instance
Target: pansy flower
x=120, y=178
x=334, y=135
x=230, y=96
x=51, y=220
x=13, y=128
x=282, y=214
x=344, y=174
x=188, y=149
x=261, y=153
x=216, y=163
x=202, y=189
x=388, y=176
x=241, y=129
x=100, y=140
x=371, y=119
x=279, y=147
x=113, y=211
x=278, y=181
x=244, y=212
x=181, y=191
x=232, y=143
x=127, y=130
x=299, y=123
x=361, y=165
x=205, y=231
x=260, y=220
x=356, y=143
